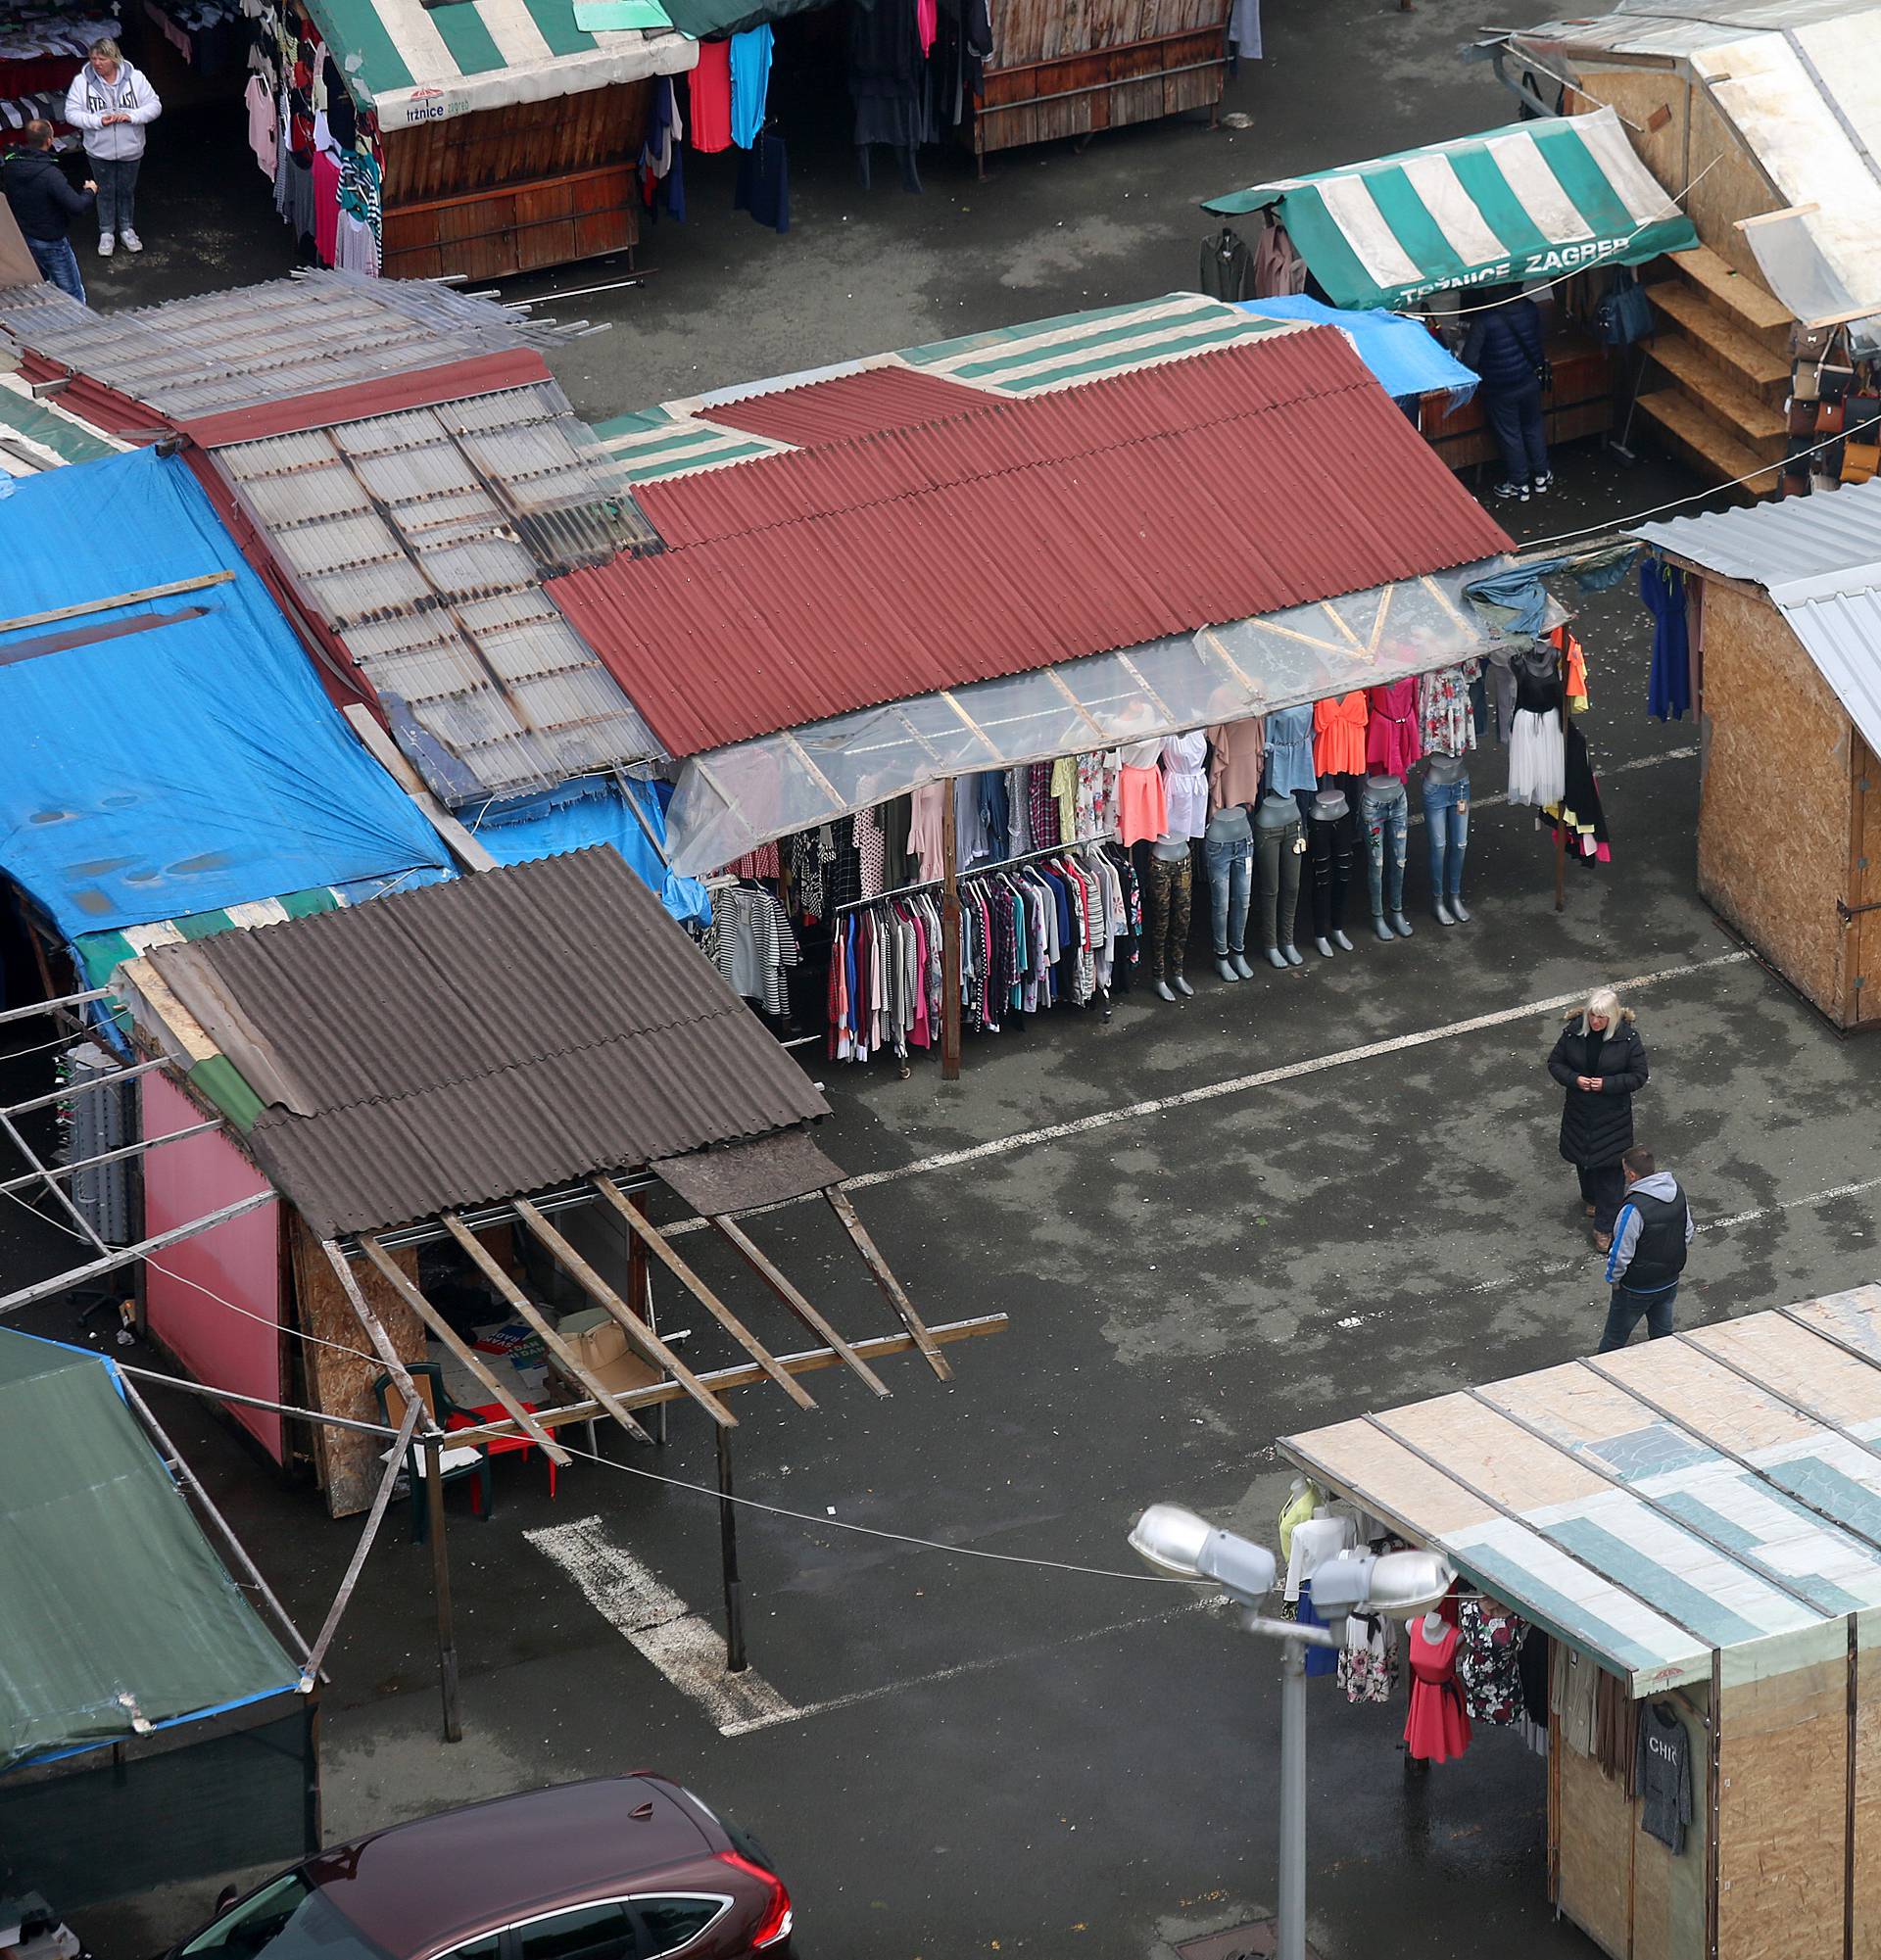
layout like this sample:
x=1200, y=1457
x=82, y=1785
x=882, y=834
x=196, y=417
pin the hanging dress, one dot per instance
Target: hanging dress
x=1436, y=1730
x=1185, y=784
x=1536, y=765
x=1338, y=745
x=1489, y=1639
x=1579, y=805
x=1289, y=752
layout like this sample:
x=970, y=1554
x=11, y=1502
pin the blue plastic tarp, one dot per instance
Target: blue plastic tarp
x=193, y=765
x=592, y=810
x=1404, y=354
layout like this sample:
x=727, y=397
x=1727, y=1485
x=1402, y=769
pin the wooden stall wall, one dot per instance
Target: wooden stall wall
x=1865, y=1792
x=506, y=190
x=1863, y=961
x=1067, y=70
x=1596, y=1853
x=339, y=1377
x=1773, y=805
x=1782, y=1834
x=1669, y=1887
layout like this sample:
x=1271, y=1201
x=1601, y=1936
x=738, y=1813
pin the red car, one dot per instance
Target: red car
x=620, y=1868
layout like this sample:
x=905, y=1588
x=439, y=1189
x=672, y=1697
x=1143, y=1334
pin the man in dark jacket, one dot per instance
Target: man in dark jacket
x=1504, y=349
x=1650, y=1237
x=44, y=205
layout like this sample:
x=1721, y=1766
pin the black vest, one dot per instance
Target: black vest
x=1659, y=1252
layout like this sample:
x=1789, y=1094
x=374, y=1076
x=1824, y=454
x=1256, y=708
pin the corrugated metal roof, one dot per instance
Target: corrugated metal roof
x=1238, y=482
x=423, y=539
x=201, y=357
x=484, y=1039
x=1713, y=1493
x=863, y=404
x=1819, y=557
x=1652, y=28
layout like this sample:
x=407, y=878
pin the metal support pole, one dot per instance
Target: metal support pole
x=950, y=940
x=441, y=1588
x=1290, y=1929
x=735, y=1660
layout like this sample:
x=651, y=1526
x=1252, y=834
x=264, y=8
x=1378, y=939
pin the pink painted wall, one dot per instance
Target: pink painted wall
x=239, y=1259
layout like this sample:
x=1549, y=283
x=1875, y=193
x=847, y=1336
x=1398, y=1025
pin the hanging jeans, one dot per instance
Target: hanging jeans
x=1167, y=890
x=1230, y=880
x=1385, y=813
x=1279, y=848
x=1513, y=416
x=1329, y=861
x=1446, y=815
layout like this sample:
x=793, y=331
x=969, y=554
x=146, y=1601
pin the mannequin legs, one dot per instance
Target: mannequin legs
x=1279, y=851
x=1329, y=859
x=1166, y=892
x=1446, y=815
x=1231, y=873
x=1384, y=812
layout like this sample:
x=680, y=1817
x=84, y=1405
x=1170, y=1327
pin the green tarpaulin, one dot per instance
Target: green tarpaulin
x=1531, y=201
x=112, y=1601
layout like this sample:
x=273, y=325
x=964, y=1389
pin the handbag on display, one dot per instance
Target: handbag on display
x=1625, y=313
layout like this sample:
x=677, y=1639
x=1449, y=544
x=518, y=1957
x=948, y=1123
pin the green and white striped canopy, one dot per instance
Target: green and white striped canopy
x=415, y=64
x=1531, y=201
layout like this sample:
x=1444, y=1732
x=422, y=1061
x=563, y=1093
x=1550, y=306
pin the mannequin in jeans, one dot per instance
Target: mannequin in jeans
x=1227, y=849
x=1166, y=893
x=1383, y=807
x=1279, y=843
x=1446, y=815
x=1328, y=855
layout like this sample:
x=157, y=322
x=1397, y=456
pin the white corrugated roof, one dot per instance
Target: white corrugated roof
x=1653, y=28
x=1820, y=558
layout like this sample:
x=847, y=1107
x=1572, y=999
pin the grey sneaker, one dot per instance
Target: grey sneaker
x=132, y=243
x=107, y=244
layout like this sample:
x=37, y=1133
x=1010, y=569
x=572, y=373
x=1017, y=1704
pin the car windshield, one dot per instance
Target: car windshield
x=292, y=1919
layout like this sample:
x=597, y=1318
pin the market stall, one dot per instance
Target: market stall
x=1774, y=614
x=1551, y=204
x=1757, y=117
x=1668, y=1557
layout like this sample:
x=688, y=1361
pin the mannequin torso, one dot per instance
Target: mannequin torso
x=1276, y=812
x=1446, y=769
x=1229, y=825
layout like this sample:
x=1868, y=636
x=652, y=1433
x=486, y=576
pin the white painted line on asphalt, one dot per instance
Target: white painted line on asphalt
x=1748, y=1218
x=942, y=1674
x=1234, y=1086
x=1501, y=796
x=655, y=1620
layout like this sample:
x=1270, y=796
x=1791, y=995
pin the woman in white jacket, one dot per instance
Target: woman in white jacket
x=111, y=102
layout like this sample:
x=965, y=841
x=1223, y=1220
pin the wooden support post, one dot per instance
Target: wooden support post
x=461, y=1349
x=656, y=1242
x=1560, y=856
x=480, y=1256
x=640, y=1295
x=649, y=1345
x=376, y=1334
x=735, y=1660
x=950, y=942
x=441, y=1589
x=766, y=1270
x=885, y=1279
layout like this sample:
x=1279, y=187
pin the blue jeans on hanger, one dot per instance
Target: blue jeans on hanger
x=1446, y=815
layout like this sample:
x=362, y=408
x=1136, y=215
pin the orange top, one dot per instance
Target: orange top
x=1338, y=735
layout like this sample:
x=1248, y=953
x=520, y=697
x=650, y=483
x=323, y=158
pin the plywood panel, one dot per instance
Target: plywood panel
x=1708, y=1399
x=1867, y=1794
x=1669, y=1889
x=1358, y=1459
x=1638, y=94
x=1864, y=936
x=1596, y=1853
x=1782, y=1800
x=339, y=1377
x=1493, y=1453
x=1814, y=1374
x=1773, y=809
x=1733, y=186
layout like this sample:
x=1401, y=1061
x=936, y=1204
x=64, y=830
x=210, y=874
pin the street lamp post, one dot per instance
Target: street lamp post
x=1175, y=1539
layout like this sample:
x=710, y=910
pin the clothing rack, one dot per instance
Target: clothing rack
x=979, y=871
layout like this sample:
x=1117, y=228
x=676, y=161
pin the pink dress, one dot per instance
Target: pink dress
x=1437, y=1728
x=1142, y=805
x=1391, y=739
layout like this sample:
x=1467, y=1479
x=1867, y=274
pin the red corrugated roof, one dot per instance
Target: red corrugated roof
x=863, y=404
x=1238, y=482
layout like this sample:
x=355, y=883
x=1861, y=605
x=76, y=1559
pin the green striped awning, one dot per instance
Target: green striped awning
x=103, y=953
x=1532, y=201
x=37, y=435
x=416, y=64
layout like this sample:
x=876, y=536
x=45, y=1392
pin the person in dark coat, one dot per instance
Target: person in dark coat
x=1505, y=348
x=1600, y=1061
x=44, y=205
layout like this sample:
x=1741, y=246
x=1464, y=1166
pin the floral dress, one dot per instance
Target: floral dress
x=1368, y=1660
x=1445, y=723
x=1489, y=1640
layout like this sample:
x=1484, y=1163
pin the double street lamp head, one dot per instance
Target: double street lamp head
x=1177, y=1541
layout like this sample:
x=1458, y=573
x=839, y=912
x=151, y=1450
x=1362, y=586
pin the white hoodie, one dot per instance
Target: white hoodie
x=90, y=99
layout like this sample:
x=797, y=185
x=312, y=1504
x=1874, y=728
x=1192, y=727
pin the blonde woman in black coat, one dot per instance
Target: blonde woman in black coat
x=1600, y=1061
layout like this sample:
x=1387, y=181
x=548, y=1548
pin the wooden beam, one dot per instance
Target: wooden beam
x=390, y=757
x=376, y=1334
x=637, y=1331
x=885, y=1279
x=487, y=1264
x=76, y=1275
x=749, y=1375
x=137, y=598
x=734, y=1236
x=408, y=1292
x=655, y=1241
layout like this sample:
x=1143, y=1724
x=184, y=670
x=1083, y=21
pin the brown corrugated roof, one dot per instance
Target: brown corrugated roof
x=1218, y=488
x=485, y=1039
